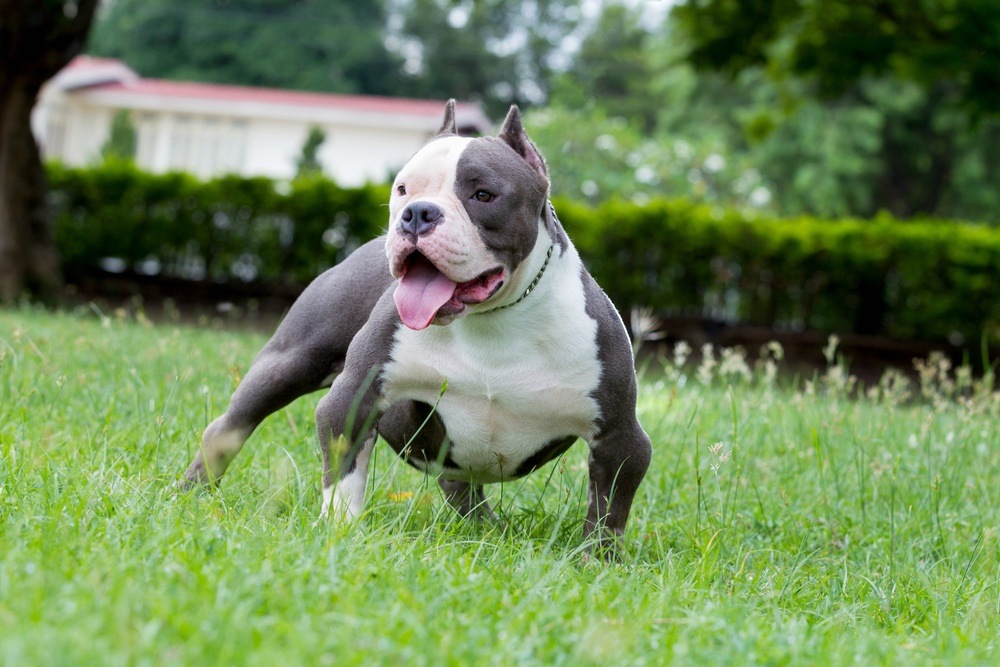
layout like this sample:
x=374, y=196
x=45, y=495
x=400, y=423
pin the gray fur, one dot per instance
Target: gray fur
x=507, y=225
x=308, y=347
x=448, y=126
x=621, y=451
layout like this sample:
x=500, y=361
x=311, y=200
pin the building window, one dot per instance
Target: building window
x=232, y=147
x=181, y=140
x=147, y=125
x=207, y=146
x=55, y=133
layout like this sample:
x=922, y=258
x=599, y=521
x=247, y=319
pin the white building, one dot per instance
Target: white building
x=211, y=129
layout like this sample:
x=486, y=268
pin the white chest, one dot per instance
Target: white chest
x=513, y=381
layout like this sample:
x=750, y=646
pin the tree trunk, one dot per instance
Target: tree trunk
x=37, y=39
x=28, y=258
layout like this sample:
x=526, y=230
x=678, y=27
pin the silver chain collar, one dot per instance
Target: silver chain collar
x=533, y=285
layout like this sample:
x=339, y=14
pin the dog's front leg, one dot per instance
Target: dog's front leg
x=618, y=461
x=345, y=423
x=347, y=416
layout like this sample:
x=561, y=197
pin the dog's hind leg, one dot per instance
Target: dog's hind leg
x=467, y=499
x=418, y=435
x=276, y=378
x=306, y=351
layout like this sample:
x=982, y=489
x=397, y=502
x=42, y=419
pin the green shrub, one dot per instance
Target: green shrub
x=223, y=229
x=924, y=280
x=927, y=280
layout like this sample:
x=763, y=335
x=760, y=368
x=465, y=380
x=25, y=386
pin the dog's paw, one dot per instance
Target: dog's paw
x=339, y=508
x=603, y=546
x=183, y=486
x=189, y=483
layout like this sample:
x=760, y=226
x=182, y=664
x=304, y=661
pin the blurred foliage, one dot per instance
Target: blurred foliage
x=782, y=106
x=883, y=143
x=611, y=68
x=931, y=280
x=228, y=228
x=322, y=46
x=308, y=161
x=494, y=51
x=122, y=138
x=926, y=280
x=953, y=44
x=609, y=157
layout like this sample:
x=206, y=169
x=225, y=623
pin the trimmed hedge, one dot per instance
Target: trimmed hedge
x=223, y=229
x=911, y=280
x=926, y=280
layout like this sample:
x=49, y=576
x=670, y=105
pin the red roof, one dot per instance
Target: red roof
x=230, y=93
x=227, y=93
x=91, y=62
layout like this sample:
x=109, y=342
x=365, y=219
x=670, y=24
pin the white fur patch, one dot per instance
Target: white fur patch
x=219, y=449
x=517, y=378
x=346, y=497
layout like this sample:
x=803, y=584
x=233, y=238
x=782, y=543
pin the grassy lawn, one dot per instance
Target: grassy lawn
x=776, y=525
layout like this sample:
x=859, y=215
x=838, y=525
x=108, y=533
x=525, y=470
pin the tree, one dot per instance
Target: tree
x=880, y=99
x=37, y=39
x=613, y=66
x=594, y=157
x=122, y=138
x=330, y=46
x=629, y=119
x=308, y=162
x=838, y=42
x=496, y=51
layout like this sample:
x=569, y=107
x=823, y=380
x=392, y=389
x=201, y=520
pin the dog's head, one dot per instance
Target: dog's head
x=463, y=216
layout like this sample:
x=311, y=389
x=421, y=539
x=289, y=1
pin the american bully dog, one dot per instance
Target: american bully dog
x=470, y=337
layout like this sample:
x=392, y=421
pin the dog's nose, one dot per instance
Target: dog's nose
x=419, y=218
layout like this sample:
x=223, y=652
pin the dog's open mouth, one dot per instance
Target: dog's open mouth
x=424, y=292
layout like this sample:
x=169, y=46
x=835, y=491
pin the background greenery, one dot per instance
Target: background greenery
x=230, y=228
x=791, y=525
x=801, y=135
x=805, y=524
x=791, y=107
x=928, y=280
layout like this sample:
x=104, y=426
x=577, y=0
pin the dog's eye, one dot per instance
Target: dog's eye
x=401, y=189
x=483, y=196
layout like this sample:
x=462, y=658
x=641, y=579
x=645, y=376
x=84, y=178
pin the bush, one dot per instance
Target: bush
x=922, y=280
x=223, y=229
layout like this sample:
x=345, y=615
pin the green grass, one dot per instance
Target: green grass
x=823, y=529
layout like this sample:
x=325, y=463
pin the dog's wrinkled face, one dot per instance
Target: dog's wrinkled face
x=463, y=215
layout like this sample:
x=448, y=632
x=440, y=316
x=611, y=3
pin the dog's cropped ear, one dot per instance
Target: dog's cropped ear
x=448, y=125
x=512, y=133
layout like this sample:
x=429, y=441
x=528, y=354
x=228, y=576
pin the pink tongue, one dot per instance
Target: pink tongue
x=421, y=293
